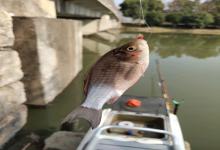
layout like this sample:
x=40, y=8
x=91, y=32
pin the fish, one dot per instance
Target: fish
x=109, y=78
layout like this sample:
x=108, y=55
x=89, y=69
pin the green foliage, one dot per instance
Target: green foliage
x=155, y=18
x=211, y=6
x=184, y=6
x=152, y=10
x=217, y=20
x=181, y=12
x=192, y=14
x=154, y=5
x=174, y=18
x=187, y=19
x=201, y=19
x=131, y=8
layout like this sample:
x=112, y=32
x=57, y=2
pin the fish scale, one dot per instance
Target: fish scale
x=98, y=96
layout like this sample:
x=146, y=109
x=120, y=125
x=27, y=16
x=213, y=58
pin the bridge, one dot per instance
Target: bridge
x=86, y=9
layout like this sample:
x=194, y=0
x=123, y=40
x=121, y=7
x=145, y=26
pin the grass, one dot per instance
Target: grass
x=170, y=30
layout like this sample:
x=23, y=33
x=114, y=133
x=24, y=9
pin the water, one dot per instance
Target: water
x=189, y=63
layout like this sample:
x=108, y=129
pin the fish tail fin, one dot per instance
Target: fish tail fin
x=91, y=115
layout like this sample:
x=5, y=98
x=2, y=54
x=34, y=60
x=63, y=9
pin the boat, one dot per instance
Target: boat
x=125, y=127
x=150, y=123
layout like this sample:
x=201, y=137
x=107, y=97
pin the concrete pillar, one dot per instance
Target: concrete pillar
x=53, y=47
x=102, y=24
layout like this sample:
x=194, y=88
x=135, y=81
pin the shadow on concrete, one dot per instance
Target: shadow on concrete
x=26, y=45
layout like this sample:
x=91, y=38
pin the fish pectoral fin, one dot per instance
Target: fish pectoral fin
x=112, y=100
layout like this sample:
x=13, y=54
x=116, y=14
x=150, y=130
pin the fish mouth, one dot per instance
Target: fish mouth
x=136, y=53
x=140, y=37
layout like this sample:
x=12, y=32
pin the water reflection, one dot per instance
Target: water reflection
x=190, y=45
x=165, y=45
x=190, y=64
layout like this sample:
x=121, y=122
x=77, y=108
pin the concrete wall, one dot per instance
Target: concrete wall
x=102, y=24
x=53, y=47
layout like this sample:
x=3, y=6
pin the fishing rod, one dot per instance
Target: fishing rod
x=164, y=90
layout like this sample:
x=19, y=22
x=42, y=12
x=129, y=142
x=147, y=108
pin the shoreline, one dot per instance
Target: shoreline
x=170, y=30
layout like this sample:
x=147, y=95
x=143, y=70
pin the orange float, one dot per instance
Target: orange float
x=133, y=103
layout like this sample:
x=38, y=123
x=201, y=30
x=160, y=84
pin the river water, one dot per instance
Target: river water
x=191, y=66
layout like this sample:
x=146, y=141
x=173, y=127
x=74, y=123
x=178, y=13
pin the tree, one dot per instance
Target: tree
x=155, y=18
x=189, y=13
x=155, y=5
x=213, y=7
x=152, y=10
x=174, y=18
x=217, y=20
x=131, y=8
x=201, y=19
x=184, y=6
x=155, y=15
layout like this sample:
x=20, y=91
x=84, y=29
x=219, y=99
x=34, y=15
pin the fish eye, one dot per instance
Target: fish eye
x=131, y=48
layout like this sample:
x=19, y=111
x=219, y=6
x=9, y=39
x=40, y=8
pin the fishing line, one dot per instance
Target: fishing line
x=142, y=18
x=142, y=15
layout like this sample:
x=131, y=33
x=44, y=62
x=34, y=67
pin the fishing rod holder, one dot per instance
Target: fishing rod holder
x=176, y=104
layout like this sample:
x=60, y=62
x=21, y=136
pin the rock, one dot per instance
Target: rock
x=12, y=122
x=6, y=33
x=30, y=8
x=10, y=70
x=11, y=94
x=63, y=140
x=53, y=47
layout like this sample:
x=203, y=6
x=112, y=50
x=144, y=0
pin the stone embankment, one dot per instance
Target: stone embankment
x=12, y=113
x=39, y=56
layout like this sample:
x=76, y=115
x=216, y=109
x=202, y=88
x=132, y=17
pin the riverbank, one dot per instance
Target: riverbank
x=170, y=30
